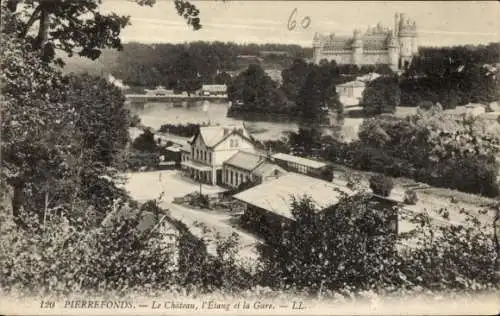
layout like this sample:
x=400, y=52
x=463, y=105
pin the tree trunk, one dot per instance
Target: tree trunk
x=43, y=28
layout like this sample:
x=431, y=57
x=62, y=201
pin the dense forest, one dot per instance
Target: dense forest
x=149, y=65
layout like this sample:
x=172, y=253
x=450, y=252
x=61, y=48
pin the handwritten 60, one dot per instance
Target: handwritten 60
x=292, y=21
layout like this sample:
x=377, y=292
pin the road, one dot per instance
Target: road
x=164, y=186
x=215, y=223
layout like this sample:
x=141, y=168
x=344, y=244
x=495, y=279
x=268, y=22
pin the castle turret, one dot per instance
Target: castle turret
x=357, y=48
x=396, y=24
x=405, y=38
x=414, y=39
x=317, y=45
x=393, y=51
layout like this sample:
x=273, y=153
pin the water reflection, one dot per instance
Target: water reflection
x=157, y=114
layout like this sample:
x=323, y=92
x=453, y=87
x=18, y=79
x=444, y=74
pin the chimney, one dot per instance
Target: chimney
x=226, y=131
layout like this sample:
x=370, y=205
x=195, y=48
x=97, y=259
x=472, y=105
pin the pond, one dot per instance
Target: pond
x=156, y=114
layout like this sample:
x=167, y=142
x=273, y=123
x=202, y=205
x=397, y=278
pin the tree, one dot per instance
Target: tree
x=294, y=78
x=102, y=118
x=223, y=78
x=146, y=142
x=39, y=152
x=306, y=140
x=257, y=91
x=45, y=126
x=439, y=148
x=351, y=247
x=186, y=74
x=381, y=95
x=331, y=249
x=76, y=27
x=381, y=185
x=318, y=95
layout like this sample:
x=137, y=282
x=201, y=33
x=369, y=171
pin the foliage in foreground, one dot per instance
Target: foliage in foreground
x=143, y=252
x=350, y=248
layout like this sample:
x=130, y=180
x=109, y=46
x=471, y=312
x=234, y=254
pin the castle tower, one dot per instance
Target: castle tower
x=393, y=51
x=406, y=42
x=357, y=48
x=414, y=38
x=396, y=24
x=317, y=44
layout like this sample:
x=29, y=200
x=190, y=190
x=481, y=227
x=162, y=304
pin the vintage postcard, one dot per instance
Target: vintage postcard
x=168, y=157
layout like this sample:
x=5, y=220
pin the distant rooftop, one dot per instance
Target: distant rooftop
x=354, y=84
x=214, y=87
x=276, y=196
x=368, y=77
x=299, y=160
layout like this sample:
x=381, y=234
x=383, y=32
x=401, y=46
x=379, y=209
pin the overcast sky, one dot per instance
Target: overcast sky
x=439, y=23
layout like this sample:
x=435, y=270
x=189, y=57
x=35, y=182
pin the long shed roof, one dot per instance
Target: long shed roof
x=299, y=160
x=276, y=196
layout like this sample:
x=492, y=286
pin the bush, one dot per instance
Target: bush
x=410, y=197
x=381, y=96
x=381, y=185
x=145, y=142
x=199, y=200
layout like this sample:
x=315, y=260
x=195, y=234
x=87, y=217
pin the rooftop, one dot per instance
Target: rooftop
x=245, y=160
x=214, y=87
x=354, y=84
x=266, y=168
x=276, y=196
x=212, y=135
x=299, y=160
x=368, y=77
x=146, y=221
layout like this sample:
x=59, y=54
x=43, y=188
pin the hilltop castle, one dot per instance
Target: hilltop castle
x=378, y=45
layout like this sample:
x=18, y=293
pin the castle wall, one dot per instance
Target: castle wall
x=373, y=58
x=341, y=57
x=346, y=57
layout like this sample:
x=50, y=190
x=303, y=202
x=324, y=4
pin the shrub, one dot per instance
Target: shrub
x=410, y=197
x=200, y=200
x=145, y=142
x=381, y=185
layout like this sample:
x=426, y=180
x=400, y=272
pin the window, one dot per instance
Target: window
x=210, y=157
x=231, y=178
x=227, y=176
x=233, y=143
x=241, y=177
x=205, y=155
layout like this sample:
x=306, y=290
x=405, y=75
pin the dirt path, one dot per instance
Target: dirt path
x=207, y=224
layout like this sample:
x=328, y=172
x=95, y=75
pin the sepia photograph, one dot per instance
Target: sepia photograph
x=227, y=157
